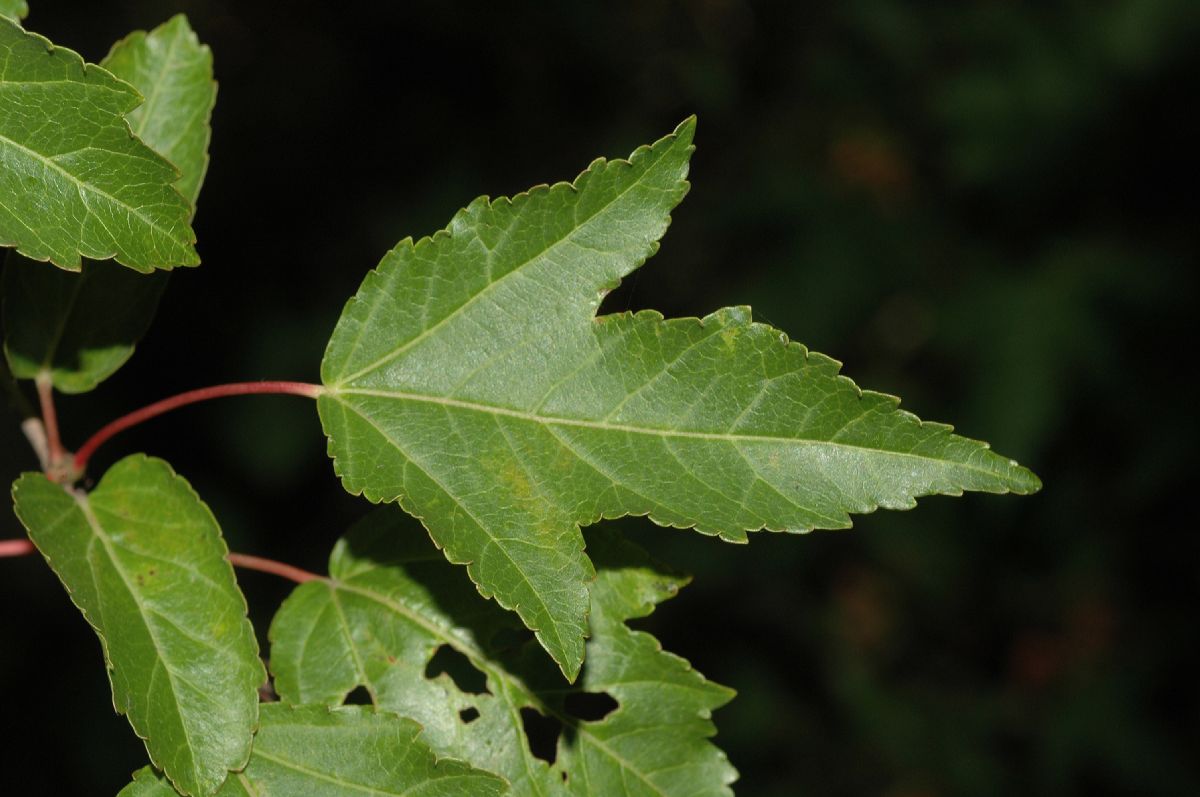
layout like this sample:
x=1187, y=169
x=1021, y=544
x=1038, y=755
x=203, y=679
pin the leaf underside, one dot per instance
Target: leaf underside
x=80, y=328
x=74, y=180
x=393, y=602
x=143, y=559
x=470, y=380
x=315, y=751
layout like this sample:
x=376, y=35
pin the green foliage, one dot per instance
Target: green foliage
x=470, y=365
x=321, y=752
x=73, y=180
x=62, y=324
x=392, y=604
x=471, y=382
x=143, y=559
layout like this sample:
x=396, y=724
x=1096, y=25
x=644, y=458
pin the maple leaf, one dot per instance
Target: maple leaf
x=470, y=381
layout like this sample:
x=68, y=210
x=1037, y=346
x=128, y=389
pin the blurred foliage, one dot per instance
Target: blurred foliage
x=988, y=208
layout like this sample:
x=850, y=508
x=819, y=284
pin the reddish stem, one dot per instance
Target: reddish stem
x=15, y=548
x=248, y=562
x=45, y=391
x=22, y=547
x=183, y=399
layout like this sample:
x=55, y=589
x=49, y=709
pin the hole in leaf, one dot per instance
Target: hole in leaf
x=359, y=696
x=542, y=733
x=466, y=676
x=590, y=706
x=468, y=715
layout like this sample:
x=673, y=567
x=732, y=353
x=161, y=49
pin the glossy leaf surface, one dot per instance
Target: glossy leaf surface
x=74, y=180
x=347, y=752
x=393, y=608
x=143, y=559
x=80, y=328
x=470, y=380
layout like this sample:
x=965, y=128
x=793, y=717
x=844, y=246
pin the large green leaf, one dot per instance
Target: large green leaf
x=73, y=179
x=470, y=380
x=143, y=559
x=315, y=751
x=14, y=9
x=393, y=605
x=80, y=328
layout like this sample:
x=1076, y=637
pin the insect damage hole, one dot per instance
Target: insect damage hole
x=590, y=706
x=359, y=696
x=542, y=733
x=468, y=715
x=466, y=676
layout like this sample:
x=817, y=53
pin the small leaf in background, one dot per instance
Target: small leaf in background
x=14, y=9
x=73, y=180
x=396, y=619
x=174, y=72
x=143, y=559
x=471, y=381
x=80, y=328
x=316, y=751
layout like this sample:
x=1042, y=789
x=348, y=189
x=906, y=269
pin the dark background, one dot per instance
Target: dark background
x=987, y=208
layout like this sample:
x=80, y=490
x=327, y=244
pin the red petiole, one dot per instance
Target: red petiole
x=183, y=399
x=22, y=547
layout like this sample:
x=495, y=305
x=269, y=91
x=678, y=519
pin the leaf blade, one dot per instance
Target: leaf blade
x=321, y=752
x=75, y=181
x=142, y=558
x=471, y=381
x=80, y=328
x=392, y=604
x=324, y=752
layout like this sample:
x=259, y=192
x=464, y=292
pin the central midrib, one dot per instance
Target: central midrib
x=88, y=187
x=548, y=420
